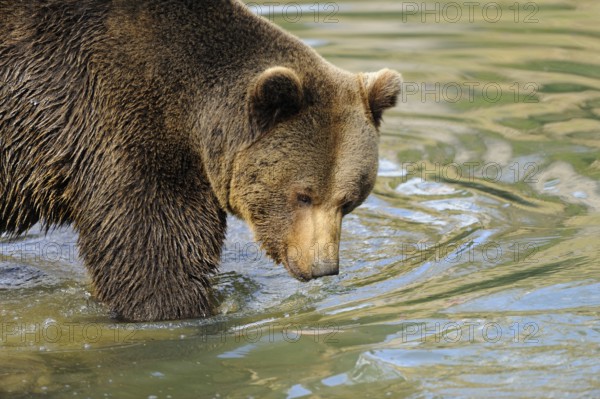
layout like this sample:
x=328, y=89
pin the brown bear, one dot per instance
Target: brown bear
x=142, y=122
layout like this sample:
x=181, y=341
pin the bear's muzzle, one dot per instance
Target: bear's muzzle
x=313, y=246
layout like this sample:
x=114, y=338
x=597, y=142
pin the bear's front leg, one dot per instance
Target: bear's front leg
x=152, y=244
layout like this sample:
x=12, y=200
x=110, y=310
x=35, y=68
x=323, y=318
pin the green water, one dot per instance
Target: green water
x=471, y=271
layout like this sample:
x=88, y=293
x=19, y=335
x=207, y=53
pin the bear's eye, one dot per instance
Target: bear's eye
x=304, y=200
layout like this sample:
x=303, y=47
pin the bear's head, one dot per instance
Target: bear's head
x=310, y=158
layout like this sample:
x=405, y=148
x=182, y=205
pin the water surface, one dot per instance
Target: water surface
x=472, y=270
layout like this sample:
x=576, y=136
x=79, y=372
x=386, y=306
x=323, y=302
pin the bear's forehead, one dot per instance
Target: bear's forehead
x=350, y=163
x=349, y=110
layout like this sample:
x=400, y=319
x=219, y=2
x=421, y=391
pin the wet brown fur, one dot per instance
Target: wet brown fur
x=141, y=123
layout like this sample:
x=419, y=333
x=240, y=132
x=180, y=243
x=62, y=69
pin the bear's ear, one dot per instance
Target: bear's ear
x=382, y=88
x=275, y=96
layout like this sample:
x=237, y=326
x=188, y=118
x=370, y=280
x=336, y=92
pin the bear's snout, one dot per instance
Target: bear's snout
x=312, y=271
x=313, y=247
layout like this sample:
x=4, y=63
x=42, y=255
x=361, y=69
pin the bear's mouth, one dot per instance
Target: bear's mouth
x=282, y=256
x=293, y=269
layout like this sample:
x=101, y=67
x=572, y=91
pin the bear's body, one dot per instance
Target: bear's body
x=143, y=122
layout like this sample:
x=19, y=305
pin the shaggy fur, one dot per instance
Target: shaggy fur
x=142, y=122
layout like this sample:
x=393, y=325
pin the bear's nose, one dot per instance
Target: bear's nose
x=325, y=268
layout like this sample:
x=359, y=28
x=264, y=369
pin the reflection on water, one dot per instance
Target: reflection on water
x=474, y=264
